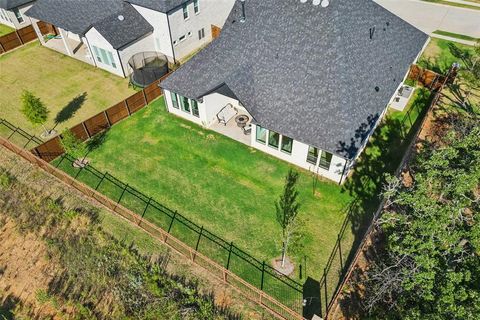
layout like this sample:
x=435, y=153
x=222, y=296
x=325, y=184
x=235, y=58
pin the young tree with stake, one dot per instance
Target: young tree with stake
x=34, y=110
x=74, y=147
x=287, y=211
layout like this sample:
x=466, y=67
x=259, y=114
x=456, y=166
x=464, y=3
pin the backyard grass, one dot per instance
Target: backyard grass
x=220, y=184
x=5, y=29
x=72, y=90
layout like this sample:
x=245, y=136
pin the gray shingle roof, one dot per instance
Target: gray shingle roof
x=158, y=5
x=79, y=16
x=305, y=71
x=10, y=4
x=120, y=33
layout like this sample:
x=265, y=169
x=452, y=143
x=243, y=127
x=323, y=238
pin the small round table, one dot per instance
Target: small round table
x=242, y=120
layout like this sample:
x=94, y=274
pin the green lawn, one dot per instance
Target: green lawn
x=220, y=184
x=439, y=55
x=5, y=29
x=455, y=35
x=456, y=4
x=72, y=90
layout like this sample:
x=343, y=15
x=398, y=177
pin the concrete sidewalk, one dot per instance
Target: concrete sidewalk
x=429, y=17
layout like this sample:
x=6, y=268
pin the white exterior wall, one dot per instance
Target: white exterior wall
x=147, y=43
x=96, y=39
x=161, y=33
x=298, y=157
x=179, y=112
x=12, y=21
x=215, y=103
x=211, y=12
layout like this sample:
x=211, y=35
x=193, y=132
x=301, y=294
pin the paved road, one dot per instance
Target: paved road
x=430, y=16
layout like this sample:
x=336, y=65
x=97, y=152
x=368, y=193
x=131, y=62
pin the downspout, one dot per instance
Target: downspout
x=90, y=50
x=343, y=172
x=171, y=39
x=121, y=63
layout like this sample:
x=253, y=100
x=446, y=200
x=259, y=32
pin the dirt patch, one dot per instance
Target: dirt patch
x=25, y=268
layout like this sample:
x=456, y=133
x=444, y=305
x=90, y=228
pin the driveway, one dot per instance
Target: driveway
x=429, y=17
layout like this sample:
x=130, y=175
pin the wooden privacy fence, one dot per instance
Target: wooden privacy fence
x=276, y=308
x=22, y=36
x=52, y=148
x=427, y=78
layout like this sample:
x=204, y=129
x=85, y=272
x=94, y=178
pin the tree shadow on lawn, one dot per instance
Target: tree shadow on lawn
x=7, y=306
x=70, y=109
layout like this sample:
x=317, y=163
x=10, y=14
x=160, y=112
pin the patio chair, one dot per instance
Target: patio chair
x=247, y=130
x=226, y=114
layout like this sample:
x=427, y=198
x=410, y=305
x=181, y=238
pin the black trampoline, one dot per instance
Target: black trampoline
x=147, y=67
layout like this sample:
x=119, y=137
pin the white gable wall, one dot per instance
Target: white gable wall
x=12, y=21
x=161, y=33
x=211, y=12
x=145, y=44
x=96, y=39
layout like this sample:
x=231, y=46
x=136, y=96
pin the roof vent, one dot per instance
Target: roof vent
x=325, y=3
x=377, y=89
x=244, y=17
x=372, y=32
x=121, y=18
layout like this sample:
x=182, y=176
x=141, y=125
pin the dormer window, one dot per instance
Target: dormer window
x=185, y=11
x=196, y=6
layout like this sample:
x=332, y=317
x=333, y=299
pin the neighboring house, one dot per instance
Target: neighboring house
x=12, y=13
x=313, y=81
x=108, y=33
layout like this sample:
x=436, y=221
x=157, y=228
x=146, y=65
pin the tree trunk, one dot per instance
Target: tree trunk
x=284, y=253
x=46, y=131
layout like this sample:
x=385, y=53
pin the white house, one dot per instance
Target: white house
x=108, y=33
x=12, y=13
x=305, y=83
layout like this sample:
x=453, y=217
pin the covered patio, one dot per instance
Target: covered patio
x=64, y=42
x=235, y=124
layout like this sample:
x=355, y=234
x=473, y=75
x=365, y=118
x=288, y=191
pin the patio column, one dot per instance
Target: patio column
x=63, y=34
x=38, y=32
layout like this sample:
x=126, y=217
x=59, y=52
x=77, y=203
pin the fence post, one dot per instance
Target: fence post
x=340, y=251
x=326, y=293
x=144, y=96
x=126, y=106
x=78, y=173
x=171, y=222
x=229, y=255
x=86, y=130
x=19, y=38
x=145, y=210
x=101, y=180
x=108, y=119
x=263, y=275
x=123, y=192
x=199, y=238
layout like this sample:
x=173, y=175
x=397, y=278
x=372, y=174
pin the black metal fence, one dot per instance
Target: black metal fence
x=258, y=273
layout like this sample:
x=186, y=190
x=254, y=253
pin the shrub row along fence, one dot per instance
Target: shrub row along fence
x=22, y=36
x=52, y=148
x=415, y=125
x=254, y=278
x=425, y=77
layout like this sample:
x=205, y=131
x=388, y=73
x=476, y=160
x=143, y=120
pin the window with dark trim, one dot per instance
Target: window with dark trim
x=312, y=155
x=182, y=38
x=185, y=104
x=174, y=100
x=185, y=11
x=261, y=134
x=195, y=110
x=273, y=139
x=287, y=144
x=201, y=34
x=196, y=6
x=325, y=160
x=18, y=15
